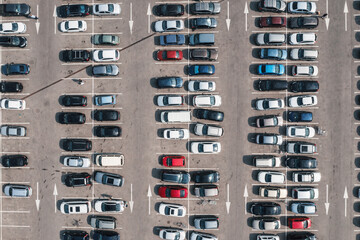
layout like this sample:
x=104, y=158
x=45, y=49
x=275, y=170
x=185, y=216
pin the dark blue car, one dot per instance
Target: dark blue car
x=15, y=69
x=172, y=39
x=169, y=82
x=201, y=70
x=300, y=116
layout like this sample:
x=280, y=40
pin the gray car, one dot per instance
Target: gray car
x=13, y=131
x=303, y=207
x=175, y=176
x=109, y=179
x=16, y=190
x=105, y=39
x=206, y=222
x=105, y=70
x=205, y=8
x=204, y=54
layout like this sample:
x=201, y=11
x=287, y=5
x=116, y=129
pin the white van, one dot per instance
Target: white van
x=109, y=159
x=175, y=116
x=266, y=161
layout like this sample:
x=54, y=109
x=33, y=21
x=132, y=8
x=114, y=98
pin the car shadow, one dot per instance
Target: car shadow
x=157, y=115
x=357, y=36
x=255, y=53
x=356, y=221
x=254, y=6
x=88, y=71
x=156, y=173
x=253, y=69
x=253, y=103
x=248, y=159
x=357, y=99
x=288, y=70
x=252, y=121
x=153, y=82
x=252, y=39
x=355, y=192
x=160, y=132
x=356, y=53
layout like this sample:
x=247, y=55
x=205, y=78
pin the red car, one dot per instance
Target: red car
x=164, y=55
x=173, y=192
x=272, y=22
x=173, y=161
x=299, y=222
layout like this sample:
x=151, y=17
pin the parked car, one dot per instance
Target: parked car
x=268, y=139
x=178, y=133
x=13, y=131
x=305, y=193
x=273, y=39
x=106, y=115
x=104, y=9
x=206, y=190
x=169, y=10
x=304, y=22
x=205, y=8
x=266, y=223
x=303, y=54
x=172, y=39
x=300, y=131
x=299, y=116
x=265, y=161
x=75, y=207
x=15, y=69
x=165, y=55
x=302, y=7
x=304, y=86
x=72, y=118
x=273, y=192
x=301, y=162
x=302, y=38
x=206, y=222
x=170, y=209
x=74, y=101
x=209, y=115
x=302, y=101
x=206, y=176
x=173, y=192
x=106, y=55
x=112, y=206
x=271, y=69
x=15, y=9
x=73, y=10
x=265, y=208
x=12, y=104
x=173, y=161
x=75, y=235
x=110, y=179
x=272, y=6
x=271, y=177
x=208, y=130
x=206, y=100
x=202, y=23
x=301, y=148
x=13, y=41
x=169, y=25
x=273, y=54
x=102, y=222
x=269, y=104
x=202, y=236
x=10, y=87
x=200, y=85
x=300, y=70
x=306, y=177
x=77, y=179
x=301, y=236
x=272, y=22
x=102, y=100
x=205, y=147
x=267, y=237
x=76, y=161
x=73, y=26
x=106, y=235
x=303, y=207
x=108, y=131
x=14, y=160
x=201, y=70
x=272, y=85
x=299, y=222
x=77, y=145
x=17, y=190
x=169, y=82
x=105, y=70
x=269, y=121
x=203, y=54
x=172, y=234
x=75, y=55
x=105, y=39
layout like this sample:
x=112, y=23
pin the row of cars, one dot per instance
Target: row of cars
x=205, y=181
x=297, y=152
x=103, y=224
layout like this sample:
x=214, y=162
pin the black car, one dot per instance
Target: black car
x=77, y=145
x=203, y=54
x=209, y=115
x=75, y=235
x=175, y=176
x=108, y=131
x=15, y=69
x=13, y=41
x=72, y=118
x=271, y=85
x=301, y=236
x=74, y=101
x=206, y=177
x=9, y=87
x=78, y=179
x=105, y=70
x=106, y=115
x=304, y=86
x=170, y=10
x=304, y=22
x=14, y=9
x=106, y=235
x=201, y=23
x=169, y=82
x=73, y=10
x=75, y=55
x=265, y=208
x=299, y=116
x=14, y=160
x=301, y=162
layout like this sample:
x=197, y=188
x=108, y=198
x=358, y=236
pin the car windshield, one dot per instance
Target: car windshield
x=266, y=104
x=299, y=37
x=205, y=130
x=212, y=100
x=111, y=207
x=305, y=224
x=110, y=7
x=268, y=178
x=182, y=193
x=201, y=148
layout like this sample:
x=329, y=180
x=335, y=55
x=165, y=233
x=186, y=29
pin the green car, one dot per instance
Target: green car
x=104, y=39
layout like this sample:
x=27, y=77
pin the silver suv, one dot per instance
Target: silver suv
x=15, y=190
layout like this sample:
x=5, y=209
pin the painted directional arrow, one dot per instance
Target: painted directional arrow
x=327, y=204
x=246, y=195
x=37, y=201
x=246, y=11
x=149, y=14
x=55, y=193
x=131, y=202
x=37, y=24
x=346, y=196
x=131, y=22
x=55, y=15
x=346, y=11
x=228, y=203
x=149, y=195
x=228, y=20
x=327, y=19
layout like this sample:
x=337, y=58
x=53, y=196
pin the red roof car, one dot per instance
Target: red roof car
x=272, y=22
x=163, y=55
x=173, y=161
x=173, y=192
x=299, y=222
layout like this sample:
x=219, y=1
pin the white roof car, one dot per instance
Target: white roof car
x=105, y=205
x=205, y=147
x=202, y=236
x=273, y=192
x=16, y=131
x=172, y=234
x=266, y=223
x=12, y=27
x=267, y=237
x=170, y=100
x=271, y=177
x=303, y=207
x=302, y=101
x=302, y=7
x=301, y=147
x=303, y=54
x=206, y=190
x=73, y=26
x=300, y=131
x=7, y=103
x=306, y=177
x=305, y=193
x=199, y=85
x=270, y=38
x=207, y=100
x=269, y=103
x=298, y=70
x=169, y=209
x=266, y=161
x=302, y=38
x=179, y=133
x=16, y=190
x=269, y=139
x=269, y=121
x=75, y=207
x=106, y=55
x=169, y=26
x=106, y=9
x=208, y=130
x=76, y=161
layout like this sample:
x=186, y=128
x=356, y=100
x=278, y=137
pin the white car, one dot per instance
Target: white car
x=273, y=192
x=205, y=147
x=106, y=9
x=298, y=71
x=172, y=234
x=269, y=139
x=271, y=177
x=301, y=148
x=77, y=161
x=207, y=100
x=300, y=131
x=106, y=55
x=302, y=38
x=169, y=26
x=202, y=236
x=104, y=205
x=8, y=103
x=303, y=207
x=305, y=193
x=169, y=209
x=266, y=223
x=176, y=133
x=73, y=26
x=208, y=130
x=269, y=103
x=302, y=101
x=14, y=27
x=170, y=100
x=306, y=177
x=199, y=85
x=267, y=237
x=304, y=54
x=13, y=131
x=75, y=207
x=302, y=7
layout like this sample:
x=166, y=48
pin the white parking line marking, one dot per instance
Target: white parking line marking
x=87, y=33
x=15, y=226
x=100, y=93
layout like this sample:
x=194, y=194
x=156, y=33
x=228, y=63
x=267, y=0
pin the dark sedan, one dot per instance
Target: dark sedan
x=14, y=9
x=304, y=86
x=15, y=69
x=206, y=177
x=304, y=22
x=78, y=179
x=175, y=176
x=74, y=101
x=13, y=41
x=271, y=85
x=299, y=116
x=77, y=145
x=301, y=236
x=14, y=160
x=106, y=235
x=301, y=162
x=106, y=115
x=75, y=55
x=72, y=118
x=9, y=87
x=108, y=131
x=209, y=115
x=169, y=10
x=73, y=10
x=75, y=235
x=169, y=82
x=272, y=22
x=265, y=208
x=105, y=39
x=201, y=70
x=201, y=23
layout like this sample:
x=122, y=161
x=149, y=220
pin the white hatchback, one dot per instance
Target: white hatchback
x=77, y=161
x=15, y=104
x=300, y=131
x=271, y=177
x=169, y=209
x=198, y=85
x=205, y=147
x=106, y=55
x=14, y=27
x=73, y=26
x=176, y=133
x=207, y=100
x=106, y=9
x=75, y=207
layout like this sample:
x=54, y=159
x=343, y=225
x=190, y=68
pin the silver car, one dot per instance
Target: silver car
x=16, y=190
x=13, y=131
